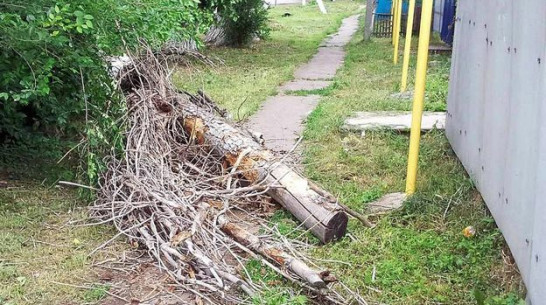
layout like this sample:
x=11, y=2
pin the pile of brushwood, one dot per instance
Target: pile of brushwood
x=189, y=188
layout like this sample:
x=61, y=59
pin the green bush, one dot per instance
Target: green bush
x=243, y=20
x=54, y=76
x=52, y=54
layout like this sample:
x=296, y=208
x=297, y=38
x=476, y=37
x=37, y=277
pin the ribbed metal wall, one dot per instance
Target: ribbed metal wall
x=497, y=121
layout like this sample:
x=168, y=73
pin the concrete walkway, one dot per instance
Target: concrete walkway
x=281, y=117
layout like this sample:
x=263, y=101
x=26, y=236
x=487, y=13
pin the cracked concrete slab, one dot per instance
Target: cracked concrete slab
x=305, y=84
x=396, y=120
x=280, y=120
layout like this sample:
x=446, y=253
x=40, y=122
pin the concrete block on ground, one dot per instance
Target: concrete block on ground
x=406, y=95
x=387, y=203
x=345, y=33
x=395, y=120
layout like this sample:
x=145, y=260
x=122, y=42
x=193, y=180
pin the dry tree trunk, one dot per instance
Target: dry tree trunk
x=169, y=191
x=216, y=36
x=314, y=278
x=318, y=213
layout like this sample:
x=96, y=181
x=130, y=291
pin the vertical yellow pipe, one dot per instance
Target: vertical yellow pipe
x=419, y=95
x=407, y=46
x=398, y=17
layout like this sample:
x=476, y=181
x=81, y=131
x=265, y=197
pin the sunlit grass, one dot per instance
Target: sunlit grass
x=40, y=249
x=416, y=255
x=249, y=75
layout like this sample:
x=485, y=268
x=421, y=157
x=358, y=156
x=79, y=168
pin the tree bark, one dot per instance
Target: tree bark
x=368, y=23
x=318, y=213
x=312, y=277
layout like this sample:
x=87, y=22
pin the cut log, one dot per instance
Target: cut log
x=324, y=218
x=312, y=277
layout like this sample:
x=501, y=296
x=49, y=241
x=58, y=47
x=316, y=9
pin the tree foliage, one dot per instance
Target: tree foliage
x=53, y=53
x=243, y=20
x=54, y=76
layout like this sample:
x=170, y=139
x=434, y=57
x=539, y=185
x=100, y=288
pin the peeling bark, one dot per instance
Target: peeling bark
x=318, y=212
x=312, y=277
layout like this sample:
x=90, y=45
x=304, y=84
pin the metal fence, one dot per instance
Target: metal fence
x=496, y=121
x=382, y=25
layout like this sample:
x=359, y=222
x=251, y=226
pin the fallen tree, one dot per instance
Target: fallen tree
x=321, y=215
x=184, y=172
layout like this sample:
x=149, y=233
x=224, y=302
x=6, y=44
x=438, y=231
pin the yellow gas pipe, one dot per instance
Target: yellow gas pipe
x=419, y=95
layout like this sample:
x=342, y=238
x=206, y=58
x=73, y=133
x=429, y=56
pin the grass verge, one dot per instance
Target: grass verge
x=42, y=256
x=248, y=76
x=416, y=255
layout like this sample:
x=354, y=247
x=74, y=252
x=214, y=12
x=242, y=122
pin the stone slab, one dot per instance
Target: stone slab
x=304, y=84
x=387, y=203
x=407, y=95
x=439, y=49
x=280, y=120
x=323, y=65
x=396, y=120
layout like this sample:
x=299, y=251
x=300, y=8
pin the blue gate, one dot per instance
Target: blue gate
x=448, y=21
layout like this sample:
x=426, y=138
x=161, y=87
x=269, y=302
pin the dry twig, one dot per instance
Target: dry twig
x=163, y=193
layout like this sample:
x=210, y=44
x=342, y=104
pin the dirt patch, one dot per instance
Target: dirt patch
x=142, y=283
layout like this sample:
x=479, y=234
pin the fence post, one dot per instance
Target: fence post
x=419, y=96
x=396, y=30
x=407, y=46
x=393, y=20
x=368, y=23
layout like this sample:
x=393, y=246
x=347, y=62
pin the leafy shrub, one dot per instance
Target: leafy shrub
x=243, y=20
x=52, y=53
x=54, y=79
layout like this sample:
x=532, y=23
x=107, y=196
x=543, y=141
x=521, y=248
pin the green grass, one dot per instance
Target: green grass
x=419, y=256
x=38, y=245
x=248, y=76
x=324, y=91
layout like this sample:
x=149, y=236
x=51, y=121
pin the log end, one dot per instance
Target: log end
x=336, y=227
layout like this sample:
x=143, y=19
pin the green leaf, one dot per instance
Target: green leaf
x=88, y=17
x=89, y=24
x=79, y=29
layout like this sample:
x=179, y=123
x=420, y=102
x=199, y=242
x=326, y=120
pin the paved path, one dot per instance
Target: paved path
x=281, y=117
